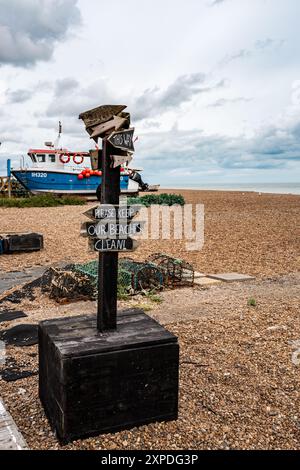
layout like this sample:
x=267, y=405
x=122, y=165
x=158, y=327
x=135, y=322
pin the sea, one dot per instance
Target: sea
x=273, y=188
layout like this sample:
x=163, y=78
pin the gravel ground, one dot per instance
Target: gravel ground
x=239, y=373
x=239, y=386
x=244, y=232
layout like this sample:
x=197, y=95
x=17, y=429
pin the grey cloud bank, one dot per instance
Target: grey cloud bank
x=224, y=101
x=208, y=85
x=29, y=29
x=18, y=96
x=70, y=99
x=155, y=101
x=199, y=155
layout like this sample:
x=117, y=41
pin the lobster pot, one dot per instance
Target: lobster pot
x=88, y=269
x=144, y=276
x=16, y=188
x=177, y=272
x=133, y=276
x=125, y=277
x=68, y=285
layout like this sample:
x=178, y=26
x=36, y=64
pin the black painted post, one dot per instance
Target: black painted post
x=108, y=262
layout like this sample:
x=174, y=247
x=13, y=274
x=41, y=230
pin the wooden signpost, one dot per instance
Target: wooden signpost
x=116, y=123
x=122, y=140
x=114, y=245
x=102, y=114
x=113, y=230
x=108, y=252
x=108, y=373
x=112, y=212
x=118, y=160
x=108, y=261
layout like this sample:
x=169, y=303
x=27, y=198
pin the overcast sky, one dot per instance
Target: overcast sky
x=213, y=86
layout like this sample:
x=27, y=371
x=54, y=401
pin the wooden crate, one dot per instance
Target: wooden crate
x=1, y=245
x=14, y=243
x=91, y=383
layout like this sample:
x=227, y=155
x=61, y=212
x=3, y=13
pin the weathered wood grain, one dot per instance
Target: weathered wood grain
x=100, y=115
x=23, y=242
x=92, y=382
x=114, y=124
x=108, y=262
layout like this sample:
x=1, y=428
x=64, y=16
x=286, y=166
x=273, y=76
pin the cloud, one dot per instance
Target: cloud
x=71, y=126
x=154, y=102
x=272, y=148
x=269, y=43
x=47, y=123
x=261, y=45
x=9, y=131
x=216, y=2
x=30, y=29
x=21, y=95
x=10, y=136
x=65, y=86
x=241, y=54
x=70, y=99
x=224, y=101
x=151, y=124
x=18, y=96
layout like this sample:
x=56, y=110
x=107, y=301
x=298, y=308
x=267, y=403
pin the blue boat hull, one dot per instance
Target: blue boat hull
x=62, y=183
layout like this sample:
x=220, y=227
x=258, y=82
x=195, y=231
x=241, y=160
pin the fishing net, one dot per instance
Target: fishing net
x=80, y=281
x=177, y=272
x=133, y=276
x=144, y=276
x=16, y=188
x=66, y=284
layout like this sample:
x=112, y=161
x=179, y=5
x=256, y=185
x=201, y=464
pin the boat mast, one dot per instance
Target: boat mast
x=59, y=135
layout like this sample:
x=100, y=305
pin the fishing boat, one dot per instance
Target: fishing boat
x=65, y=172
x=53, y=169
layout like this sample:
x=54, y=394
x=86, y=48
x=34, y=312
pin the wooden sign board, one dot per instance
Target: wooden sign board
x=115, y=245
x=118, y=160
x=114, y=124
x=95, y=156
x=111, y=230
x=122, y=139
x=108, y=211
x=102, y=114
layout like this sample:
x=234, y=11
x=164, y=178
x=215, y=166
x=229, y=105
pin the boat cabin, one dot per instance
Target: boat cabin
x=58, y=158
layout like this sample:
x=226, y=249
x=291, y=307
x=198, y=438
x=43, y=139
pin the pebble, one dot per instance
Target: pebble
x=217, y=337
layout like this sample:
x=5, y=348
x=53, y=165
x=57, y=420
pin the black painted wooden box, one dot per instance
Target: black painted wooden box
x=23, y=242
x=91, y=383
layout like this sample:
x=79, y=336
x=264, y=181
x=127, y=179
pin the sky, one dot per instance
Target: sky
x=213, y=86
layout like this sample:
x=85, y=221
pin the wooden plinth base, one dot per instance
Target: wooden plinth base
x=92, y=383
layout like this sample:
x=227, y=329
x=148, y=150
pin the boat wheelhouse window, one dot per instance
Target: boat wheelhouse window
x=41, y=158
x=52, y=158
